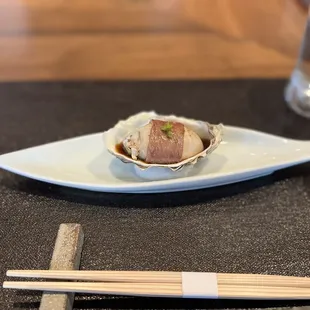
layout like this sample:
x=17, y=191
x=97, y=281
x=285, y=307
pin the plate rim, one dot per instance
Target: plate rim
x=147, y=184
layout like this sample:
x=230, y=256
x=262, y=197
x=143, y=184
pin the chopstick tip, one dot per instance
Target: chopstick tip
x=5, y=285
x=9, y=273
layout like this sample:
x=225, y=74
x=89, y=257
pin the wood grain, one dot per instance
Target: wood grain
x=161, y=277
x=150, y=39
x=163, y=290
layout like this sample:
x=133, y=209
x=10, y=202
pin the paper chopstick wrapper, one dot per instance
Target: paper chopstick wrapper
x=199, y=285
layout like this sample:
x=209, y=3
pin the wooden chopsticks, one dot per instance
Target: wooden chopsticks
x=102, y=276
x=161, y=290
x=160, y=277
x=165, y=284
x=133, y=289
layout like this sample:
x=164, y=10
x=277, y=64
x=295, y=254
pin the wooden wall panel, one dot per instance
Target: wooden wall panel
x=148, y=39
x=80, y=16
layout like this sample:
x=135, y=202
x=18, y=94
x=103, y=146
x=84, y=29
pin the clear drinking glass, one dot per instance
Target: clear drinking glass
x=297, y=91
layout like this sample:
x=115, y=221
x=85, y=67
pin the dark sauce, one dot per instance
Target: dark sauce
x=206, y=143
x=120, y=149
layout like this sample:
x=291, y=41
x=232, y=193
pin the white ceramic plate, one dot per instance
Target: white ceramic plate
x=84, y=163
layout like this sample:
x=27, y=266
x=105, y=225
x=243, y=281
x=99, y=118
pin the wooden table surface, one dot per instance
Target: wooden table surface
x=148, y=39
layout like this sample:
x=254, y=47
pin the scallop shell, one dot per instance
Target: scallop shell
x=116, y=135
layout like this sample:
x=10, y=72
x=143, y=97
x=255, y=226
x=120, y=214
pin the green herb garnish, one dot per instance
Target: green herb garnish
x=167, y=129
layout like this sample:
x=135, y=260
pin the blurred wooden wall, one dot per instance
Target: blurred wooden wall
x=148, y=39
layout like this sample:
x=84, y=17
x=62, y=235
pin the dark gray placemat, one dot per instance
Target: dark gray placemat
x=261, y=226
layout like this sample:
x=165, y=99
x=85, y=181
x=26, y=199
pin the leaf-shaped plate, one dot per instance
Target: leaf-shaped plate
x=84, y=163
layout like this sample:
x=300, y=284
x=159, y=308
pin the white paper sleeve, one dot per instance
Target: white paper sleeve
x=199, y=285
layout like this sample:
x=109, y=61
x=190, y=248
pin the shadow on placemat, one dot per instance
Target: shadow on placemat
x=176, y=199
x=168, y=303
x=37, y=188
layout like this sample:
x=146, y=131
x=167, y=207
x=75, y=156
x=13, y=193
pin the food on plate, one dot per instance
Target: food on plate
x=148, y=139
x=162, y=142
